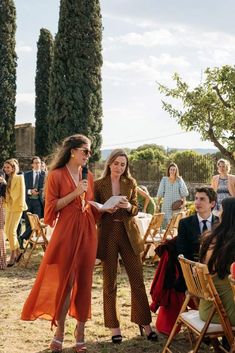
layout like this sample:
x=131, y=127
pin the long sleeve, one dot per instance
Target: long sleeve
x=183, y=188
x=51, y=197
x=161, y=189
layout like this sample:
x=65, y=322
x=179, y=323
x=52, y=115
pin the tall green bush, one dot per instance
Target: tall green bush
x=42, y=86
x=75, y=96
x=8, y=63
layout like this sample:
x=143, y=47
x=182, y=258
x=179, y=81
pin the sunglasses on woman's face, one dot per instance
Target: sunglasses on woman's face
x=85, y=151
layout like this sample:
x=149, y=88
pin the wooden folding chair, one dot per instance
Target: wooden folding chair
x=37, y=238
x=152, y=235
x=200, y=286
x=172, y=226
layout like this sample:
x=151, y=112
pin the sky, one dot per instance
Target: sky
x=144, y=42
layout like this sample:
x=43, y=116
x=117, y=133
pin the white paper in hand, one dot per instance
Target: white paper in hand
x=110, y=203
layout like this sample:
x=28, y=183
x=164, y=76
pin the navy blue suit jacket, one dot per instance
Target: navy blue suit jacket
x=28, y=178
x=188, y=239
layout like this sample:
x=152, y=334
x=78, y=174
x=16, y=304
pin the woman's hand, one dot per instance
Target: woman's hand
x=2, y=180
x=111, y=210
x=82, y=187
x=124, y=203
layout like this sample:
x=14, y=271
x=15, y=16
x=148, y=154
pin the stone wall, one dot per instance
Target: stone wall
x=25, y=147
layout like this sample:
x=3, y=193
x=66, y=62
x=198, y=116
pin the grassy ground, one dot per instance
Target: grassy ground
x=18, y=336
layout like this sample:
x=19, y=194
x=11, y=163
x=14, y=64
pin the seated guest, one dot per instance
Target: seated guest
x=145, y=202
x=218, y=252
x=191, y=228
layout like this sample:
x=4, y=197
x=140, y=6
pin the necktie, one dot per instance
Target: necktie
x=36, y=181
x=204, y=228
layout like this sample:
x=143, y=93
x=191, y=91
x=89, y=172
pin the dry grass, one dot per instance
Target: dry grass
x=18, y=336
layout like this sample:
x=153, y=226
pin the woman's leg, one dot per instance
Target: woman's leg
x=2, y=251
x=140, y=312
x=111, y=315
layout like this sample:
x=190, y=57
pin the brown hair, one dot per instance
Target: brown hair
x=209, y=191
x=63, y=152
x=114, y=154
x=35, y=157
x=15, y=165
x=177, y=170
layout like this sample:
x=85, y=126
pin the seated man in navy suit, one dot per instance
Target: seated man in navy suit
x=191, y=228
x=34, y=182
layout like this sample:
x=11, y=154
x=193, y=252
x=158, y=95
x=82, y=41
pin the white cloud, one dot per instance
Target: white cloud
x=28, y=98
x=146, y=39
x=23, y=49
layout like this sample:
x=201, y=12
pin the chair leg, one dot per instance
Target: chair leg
x=172, y=334
x=176, y=325
x=30, y=254
x=147, y=247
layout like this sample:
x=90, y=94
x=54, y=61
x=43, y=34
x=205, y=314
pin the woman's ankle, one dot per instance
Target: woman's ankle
x=148, y=329
x=79, y=332
x=115, y=331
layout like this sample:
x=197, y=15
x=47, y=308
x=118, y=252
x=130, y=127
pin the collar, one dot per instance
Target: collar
x=200, y=219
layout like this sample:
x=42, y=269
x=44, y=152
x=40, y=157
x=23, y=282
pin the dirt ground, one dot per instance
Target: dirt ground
x=18, y=336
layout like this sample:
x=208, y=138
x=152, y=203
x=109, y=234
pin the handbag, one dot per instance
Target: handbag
x=176, y=205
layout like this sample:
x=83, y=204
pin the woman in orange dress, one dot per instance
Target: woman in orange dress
x=63, y=284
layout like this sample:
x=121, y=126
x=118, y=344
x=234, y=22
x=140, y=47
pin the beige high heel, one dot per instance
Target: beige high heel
x=56, y=345
x=80, y=347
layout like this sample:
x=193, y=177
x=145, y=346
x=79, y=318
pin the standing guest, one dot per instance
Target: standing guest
x=63, y=283
x=2, y=242
x=191, y=228
x=145, y=202
x=223, y=183
x=218, y=252
x=34, y=182
x=15, y=205
x=172, y=188
x=118, y=234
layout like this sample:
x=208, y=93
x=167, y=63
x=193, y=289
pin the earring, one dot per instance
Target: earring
x=72, y=155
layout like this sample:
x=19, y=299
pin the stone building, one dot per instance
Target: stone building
x=25, y=147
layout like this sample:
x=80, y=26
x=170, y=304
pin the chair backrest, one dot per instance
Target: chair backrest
x=172, y=226
x=200, y=285
x=154, y=225
x=36, y=226
x=196, y=278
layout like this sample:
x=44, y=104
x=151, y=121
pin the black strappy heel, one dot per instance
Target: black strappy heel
x=117, y=339
x=152, y=336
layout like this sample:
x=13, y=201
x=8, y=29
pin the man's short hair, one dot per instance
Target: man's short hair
x=33, y=158
x=209, y=191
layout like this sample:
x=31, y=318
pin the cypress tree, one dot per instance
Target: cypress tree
x=42, y=85
x=75, y=95
x=7, y=78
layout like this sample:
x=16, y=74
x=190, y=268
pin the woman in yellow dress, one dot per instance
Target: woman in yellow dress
x=15, y=205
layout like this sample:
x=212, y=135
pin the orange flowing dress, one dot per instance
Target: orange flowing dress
x=70, y=254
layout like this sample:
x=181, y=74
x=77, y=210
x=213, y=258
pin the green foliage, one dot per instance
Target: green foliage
x=75, y=95
x=147, y=162
x=148, y=152
x=8, y=65
x=42, y=86
x=193, y=166
x=208, y=108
